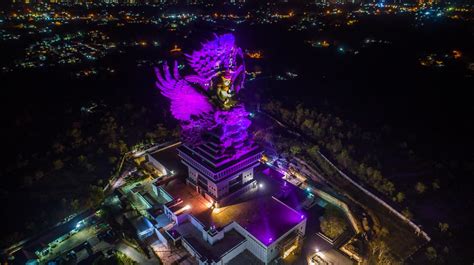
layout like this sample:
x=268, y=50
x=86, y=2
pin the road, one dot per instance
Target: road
x=73, y=241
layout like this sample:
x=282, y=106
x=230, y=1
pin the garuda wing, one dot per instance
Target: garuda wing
x=186, y=101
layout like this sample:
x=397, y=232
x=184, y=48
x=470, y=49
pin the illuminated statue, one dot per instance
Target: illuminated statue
x=205, y=103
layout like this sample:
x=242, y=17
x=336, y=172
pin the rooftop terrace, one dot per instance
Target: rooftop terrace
x=266, y=218
x=267, y=212
x=214, y=251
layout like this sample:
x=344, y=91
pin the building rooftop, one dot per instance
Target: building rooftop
x=210, y=252
x=245, y=257
x=178, y=190
x=274, y=185
x=142, y=224
x=266, y=218
x=264, y=212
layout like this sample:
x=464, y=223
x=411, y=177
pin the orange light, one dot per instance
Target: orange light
x=175, y=49
x=457, y=54
x=255, y=55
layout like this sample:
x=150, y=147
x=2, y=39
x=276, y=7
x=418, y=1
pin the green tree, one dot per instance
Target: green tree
x=122, y=146
x=58, y=164
x=307, y=124
x=431, y=253
x=96, y=195
x=295, y=149
x=333, y=223
x=369, y=171
x=299, y=114
x=343, y=158
x=406, y=212
x=112, y=159
x=400, y=197
x=335, y=146
x=82, y=159
x=420, y=187
x=75, y=205
x=313, y=150
x=443, y=227
x=380, y=253
x=362, y=170
x=388, y=187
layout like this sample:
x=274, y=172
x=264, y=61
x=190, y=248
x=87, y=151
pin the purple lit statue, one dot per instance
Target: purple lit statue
x=205, y=102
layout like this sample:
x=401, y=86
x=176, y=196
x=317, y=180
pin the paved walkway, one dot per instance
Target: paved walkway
x=168, y=256
x=137, y=256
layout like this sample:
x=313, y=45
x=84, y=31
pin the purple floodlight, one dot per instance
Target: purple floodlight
x=220, y=54
x=206, y=102
x=185, y=100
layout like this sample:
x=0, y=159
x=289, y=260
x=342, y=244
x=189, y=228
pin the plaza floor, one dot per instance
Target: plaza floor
x=174, y=255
